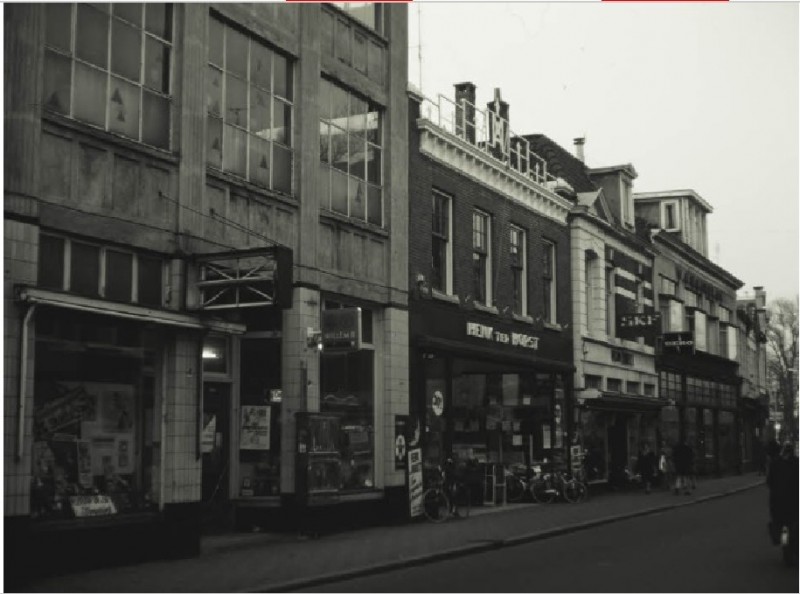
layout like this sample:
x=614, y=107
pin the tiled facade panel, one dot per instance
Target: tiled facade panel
x=182, y=464
x=20, y=245
x=349, y=252
x=468, y=196
x=395, y=387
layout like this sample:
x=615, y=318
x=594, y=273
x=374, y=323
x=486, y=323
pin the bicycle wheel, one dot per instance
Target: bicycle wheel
x=435, y=505
x=571, y=490
x=542, y=491
x=514, y=489
x=461, y=501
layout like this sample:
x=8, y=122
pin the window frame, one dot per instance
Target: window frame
x=666, y=206
x=518, y=262
x=549, y=279
x=110, y=75
x=442, y=234
x=482, y=256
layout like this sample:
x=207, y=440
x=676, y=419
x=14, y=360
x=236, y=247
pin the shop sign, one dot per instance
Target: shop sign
x=638, y=324
x=341, y=329
x=516, y=339
x=678, y=342
x=437, y=403
x=84, y=506
x=415, y=482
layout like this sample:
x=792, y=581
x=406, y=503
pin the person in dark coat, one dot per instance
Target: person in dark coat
x=782, y=481
x=683, y=458
x=646, y=466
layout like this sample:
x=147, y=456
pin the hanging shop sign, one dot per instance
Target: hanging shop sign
x=415, y=482
x=489, y=333
x=341, y=329
x=678, y=342
x=632, y=326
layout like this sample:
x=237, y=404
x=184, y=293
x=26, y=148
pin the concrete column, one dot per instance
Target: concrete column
x=395, y=388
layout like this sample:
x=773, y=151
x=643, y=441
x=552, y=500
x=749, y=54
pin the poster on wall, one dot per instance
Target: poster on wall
x=209, y=432
x=400, y=442
x=254, y=433
x=415, y=482
x=118, y=410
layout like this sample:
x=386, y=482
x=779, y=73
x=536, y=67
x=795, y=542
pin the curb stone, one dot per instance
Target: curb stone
x=483, y=547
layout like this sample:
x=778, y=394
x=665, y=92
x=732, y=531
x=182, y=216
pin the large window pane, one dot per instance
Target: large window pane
x=339, y=105
x=373, y=126
x=375, y=205
x=324, y=143
x=131, y=11
x=92, y=36
x=282, y=125
x=374, y=165
x=215, y=42
x=339, y=148
x=358, y=199
x=90, y=95
x=282, y=169
x=214, y=135
x=123, y=108
x=119, y=275
x=126, y=54
x=236, y=56
x=150, y=280
x=58, y=18
x=282, y=85
x=51, y=263
x=156, y=65
x=357, y=157
x=259, y=161
x=325, y=186
x=159, y=19
x=260, y=66
x=214, y=91
x=57, y=78
x=235, y=101
x=155, y=120
x=234, y=155
x=339, y=192
x=259, y=112
x=85, y=269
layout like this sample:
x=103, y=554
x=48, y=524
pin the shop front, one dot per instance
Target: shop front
x=488, y=396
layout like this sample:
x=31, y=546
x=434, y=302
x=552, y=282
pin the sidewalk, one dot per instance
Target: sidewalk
x=271, y=562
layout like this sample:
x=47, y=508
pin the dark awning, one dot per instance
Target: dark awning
x=620, y=403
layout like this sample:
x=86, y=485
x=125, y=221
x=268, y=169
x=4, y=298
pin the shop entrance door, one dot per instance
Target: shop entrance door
x=617, y=450
x=215, y=443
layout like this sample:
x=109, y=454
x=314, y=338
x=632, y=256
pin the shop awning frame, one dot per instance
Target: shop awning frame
x=612, y=401
x=32, y=295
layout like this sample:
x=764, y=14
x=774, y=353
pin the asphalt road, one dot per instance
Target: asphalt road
x=717, y=546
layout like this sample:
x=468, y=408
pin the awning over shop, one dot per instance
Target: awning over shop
x=126, y=311
x=612, y=401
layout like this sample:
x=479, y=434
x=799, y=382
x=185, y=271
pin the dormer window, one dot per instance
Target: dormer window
x=669, y=215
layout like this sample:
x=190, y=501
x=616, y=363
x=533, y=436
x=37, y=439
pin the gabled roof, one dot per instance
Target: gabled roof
x=561, y=163
x=597, y=201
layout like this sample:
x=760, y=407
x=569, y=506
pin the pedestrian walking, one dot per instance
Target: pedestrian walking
x=682, y=457
x=646, y=466
x=666, y=469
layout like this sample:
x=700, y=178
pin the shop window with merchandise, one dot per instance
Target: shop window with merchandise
x=95, y=397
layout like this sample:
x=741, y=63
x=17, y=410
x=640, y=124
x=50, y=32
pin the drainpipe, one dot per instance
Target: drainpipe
x=23, y=377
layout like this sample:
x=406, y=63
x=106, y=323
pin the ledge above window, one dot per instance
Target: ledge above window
x=552, y=326
x=521, y=318
x=436, y=294
x=486, y=308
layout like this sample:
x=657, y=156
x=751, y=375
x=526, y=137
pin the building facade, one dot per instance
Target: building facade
x=697, y=355
x=490, y=343
x=195, y=191
x=613, y=322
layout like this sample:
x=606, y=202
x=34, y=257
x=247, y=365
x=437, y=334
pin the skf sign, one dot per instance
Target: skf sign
x=632, y=326
x=341, y=330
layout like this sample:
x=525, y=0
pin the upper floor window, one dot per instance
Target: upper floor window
x=95, y=271
x=518, y=259
x=669, y=215
x=691, y=299
x=667, y=285
x=110, y=65
x=549, y=281
x=441, y=246
x=350, y=153
x=611, y=301
x=481, y=257
x=250, y=109
x=349, y=43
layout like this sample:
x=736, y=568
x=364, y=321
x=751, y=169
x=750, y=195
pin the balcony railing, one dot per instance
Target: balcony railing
x=489, y=133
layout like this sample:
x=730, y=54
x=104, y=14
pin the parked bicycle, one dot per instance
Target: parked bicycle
x=446, y=498
x=518, y=483
x=550, y=486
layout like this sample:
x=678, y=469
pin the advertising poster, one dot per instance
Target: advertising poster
x=255, y=427
x=85, y=464
x=400, y=442
x=209, y=430
x=415, y=482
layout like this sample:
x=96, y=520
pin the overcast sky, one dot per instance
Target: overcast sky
x=694, y=96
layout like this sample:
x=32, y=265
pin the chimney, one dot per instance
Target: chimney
x=465, y=111
x=579, y=142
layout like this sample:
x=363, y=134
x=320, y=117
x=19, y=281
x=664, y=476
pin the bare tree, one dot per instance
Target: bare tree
x=782, y=336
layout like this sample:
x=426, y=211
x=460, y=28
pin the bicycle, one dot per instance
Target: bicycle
x=517, y=483
x=441, y=502
x=550, y=486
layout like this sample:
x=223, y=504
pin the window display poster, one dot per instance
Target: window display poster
x=118, y=410
x=255, y=427
x=415, y=482
x=209, y=430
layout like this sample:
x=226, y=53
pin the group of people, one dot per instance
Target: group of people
x=677, y=466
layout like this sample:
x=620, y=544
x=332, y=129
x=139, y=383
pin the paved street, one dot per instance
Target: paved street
x=280, y=562
x=717, y=546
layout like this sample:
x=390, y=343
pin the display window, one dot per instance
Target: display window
x=595, y=445
x=726, y=430
x=94, y=430
x=670, y=426
x=260, y=411
x=348, y=390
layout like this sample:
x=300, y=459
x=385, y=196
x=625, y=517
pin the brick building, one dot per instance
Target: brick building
x=490, y=344
x=191, y=190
